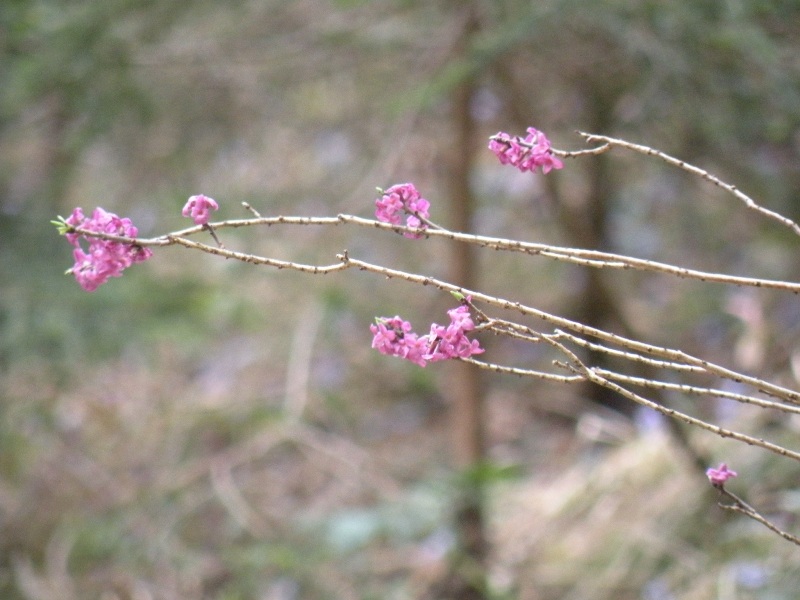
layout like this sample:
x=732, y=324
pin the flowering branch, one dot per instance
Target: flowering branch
x=717, y=477
x=104, y=245
x=589, y=258
x=646, y=352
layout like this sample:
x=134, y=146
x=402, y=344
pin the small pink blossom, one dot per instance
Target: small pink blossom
x=451, y=341
x=394, y=337
x=199, y=208
x=102, y=259
x=399, y=199
x=528, y=153
x=75, y=220
x=720, y=475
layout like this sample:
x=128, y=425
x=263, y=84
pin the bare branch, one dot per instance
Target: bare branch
x=742, y=507
x=646, y=150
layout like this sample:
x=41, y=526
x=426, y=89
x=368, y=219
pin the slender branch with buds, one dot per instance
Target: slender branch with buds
x=114, y=245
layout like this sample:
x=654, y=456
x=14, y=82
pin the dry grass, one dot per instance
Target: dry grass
x=146, y=484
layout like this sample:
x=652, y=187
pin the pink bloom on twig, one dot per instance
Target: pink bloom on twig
x=720, y=475
x=528, y=153
x=394, y=337
x=199, y=208
x=451, y=341
x=103, y=258
x=399, y=199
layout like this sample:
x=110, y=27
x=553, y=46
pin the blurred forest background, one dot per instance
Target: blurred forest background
x=199, y=429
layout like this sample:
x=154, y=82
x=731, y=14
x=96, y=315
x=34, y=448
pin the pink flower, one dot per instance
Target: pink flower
x=399, y=199
x=199, y=208
x=74, y=220
x=394, y=337
x=528, y=153
x=720, y=475
x=451, y=341
x=103, y=259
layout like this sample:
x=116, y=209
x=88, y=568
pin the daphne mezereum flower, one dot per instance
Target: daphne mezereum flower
x=720, y=475
x=393, y=336
x=526, y=154
x=400, y=199
x=451, y=341
x=199, y=208
x=102, y=258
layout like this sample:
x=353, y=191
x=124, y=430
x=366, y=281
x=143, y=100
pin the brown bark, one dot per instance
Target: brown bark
x=465, y=384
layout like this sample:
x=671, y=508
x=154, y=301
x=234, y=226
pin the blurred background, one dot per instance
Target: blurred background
x=199, y=429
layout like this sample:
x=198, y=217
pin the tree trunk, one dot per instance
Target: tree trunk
x=465, y=384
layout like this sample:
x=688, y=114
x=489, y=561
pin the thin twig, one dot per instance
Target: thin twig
x=578, y=153
x=593, y=376
x=742, y=507
x=575, y=365
x=524, y=372
x=631, y=356
x=588, y=258
x=258, y=260
x=646, y=150
x=210, y=229
x=247, y=206
x=697, y=391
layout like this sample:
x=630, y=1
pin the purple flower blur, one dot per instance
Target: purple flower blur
x=720, y=475
x=528, y=153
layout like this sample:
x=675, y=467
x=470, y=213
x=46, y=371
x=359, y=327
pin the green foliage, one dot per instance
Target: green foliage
x=487, y=473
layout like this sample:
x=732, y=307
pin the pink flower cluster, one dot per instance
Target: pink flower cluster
x=394, y=337
x=720, y=475
x=528, y=153
x=399, y=199
x=104, y=258
x=199, y=208
x=451, y=341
